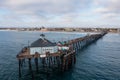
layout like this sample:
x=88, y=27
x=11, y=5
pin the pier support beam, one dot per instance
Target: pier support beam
x=43, y=62
x=36, y=63
x=19, y=68
x=74, y=59
x=30, y=67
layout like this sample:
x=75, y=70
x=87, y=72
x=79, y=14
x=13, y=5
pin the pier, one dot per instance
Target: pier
x=61, y=60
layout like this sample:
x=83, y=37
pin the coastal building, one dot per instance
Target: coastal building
x=42, y=45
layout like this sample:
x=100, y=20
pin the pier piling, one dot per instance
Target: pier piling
x=30, y=68
x=19, y=67
x=36, y=63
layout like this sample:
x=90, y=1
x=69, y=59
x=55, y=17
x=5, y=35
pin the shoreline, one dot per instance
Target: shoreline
x=60, y=31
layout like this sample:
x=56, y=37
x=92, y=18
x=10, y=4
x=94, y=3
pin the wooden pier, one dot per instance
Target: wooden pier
x=62, y=60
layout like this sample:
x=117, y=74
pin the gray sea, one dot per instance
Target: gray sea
x=98, y=61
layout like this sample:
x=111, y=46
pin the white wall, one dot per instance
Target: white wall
x=55, y=48
x=35, y=49
x=63, y=48
x=43, y=50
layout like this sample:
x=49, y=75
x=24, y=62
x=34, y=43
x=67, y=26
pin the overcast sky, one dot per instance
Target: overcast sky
x=60, y=13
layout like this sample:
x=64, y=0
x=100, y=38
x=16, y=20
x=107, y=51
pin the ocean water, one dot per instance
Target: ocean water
x=98, y=61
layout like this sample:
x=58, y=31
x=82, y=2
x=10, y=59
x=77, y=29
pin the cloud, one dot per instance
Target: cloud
x=42, y=11
x=44, y=6
x=108, y=11
x=108, y=6
x=57, y=12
